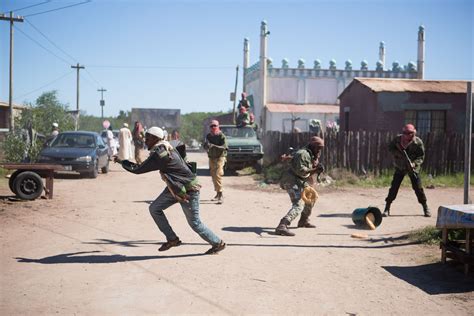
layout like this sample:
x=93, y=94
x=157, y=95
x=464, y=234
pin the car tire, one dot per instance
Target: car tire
x=259, y=166
x=28, y=185
x=105, y=169
x=95, y=172
x=11, y=183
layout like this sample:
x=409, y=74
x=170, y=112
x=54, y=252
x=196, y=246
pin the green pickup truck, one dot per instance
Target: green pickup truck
x=245, y=150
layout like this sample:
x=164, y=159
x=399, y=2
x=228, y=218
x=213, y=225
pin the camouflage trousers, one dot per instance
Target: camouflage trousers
x=297, y=205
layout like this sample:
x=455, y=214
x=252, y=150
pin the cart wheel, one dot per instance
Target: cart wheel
x=28, y=185
x=12, y=179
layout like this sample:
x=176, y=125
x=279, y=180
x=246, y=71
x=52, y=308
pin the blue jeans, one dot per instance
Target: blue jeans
x=191, y=211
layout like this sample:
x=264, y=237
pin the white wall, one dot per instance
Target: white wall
x=279, y=121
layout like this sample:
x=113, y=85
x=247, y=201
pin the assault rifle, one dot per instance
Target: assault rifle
x=408, y=162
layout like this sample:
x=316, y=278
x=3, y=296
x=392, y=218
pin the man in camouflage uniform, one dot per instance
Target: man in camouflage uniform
x=216, y=145
x=243, y=119
x=303, y=165
x=408, y=154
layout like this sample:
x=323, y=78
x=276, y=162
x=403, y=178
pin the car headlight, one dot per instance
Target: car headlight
x=84, y=158
x=257, y=149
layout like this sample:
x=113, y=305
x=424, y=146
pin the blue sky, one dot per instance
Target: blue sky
x=183, y=53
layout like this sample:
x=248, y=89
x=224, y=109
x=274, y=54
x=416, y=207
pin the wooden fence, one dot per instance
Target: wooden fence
x=366, y=152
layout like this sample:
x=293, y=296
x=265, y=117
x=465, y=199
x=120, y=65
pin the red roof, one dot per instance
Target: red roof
x=302, y=108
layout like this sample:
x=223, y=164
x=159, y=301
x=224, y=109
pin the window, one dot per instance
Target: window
x=427, y=121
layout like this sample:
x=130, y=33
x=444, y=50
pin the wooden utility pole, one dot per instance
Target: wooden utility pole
x=77, y=67
x=10, y=91
x=102, y=102
x=467, y=144
x=235, y=92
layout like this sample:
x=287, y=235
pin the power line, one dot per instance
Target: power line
x=39, y=44
x=92, y=77
x=160, y=67
x=52, y=43
x=44, y=86
x=57, y=9
x=30, y=6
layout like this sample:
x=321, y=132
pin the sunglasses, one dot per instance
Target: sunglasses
x=213, y=126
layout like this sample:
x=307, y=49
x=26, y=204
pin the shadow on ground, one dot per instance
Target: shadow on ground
x=78, y=257
x=434, y=278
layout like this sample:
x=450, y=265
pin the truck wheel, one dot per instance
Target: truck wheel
x=28, y=185
x=259, y=166
x=11, y=181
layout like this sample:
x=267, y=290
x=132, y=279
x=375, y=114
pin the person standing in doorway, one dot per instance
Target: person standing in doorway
x=408, y=154
x=216, y=146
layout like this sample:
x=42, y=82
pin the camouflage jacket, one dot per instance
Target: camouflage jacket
x=300, y=169
x=219, y=140
x=415, y=151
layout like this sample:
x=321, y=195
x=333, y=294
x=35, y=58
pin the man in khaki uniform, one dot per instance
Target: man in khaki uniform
x=216, y=145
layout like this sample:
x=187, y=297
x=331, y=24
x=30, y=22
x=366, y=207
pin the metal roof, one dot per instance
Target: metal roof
x=413, y=85
x=303, y=108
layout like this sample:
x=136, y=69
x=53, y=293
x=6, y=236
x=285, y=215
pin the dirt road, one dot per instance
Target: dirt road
x=93, y=250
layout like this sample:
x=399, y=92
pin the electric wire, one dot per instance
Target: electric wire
x=51, y=42
x=40, y=45
x=92, y=77
x=57, y=9
x=44, y=86
x=161, y=67
x=27, y=7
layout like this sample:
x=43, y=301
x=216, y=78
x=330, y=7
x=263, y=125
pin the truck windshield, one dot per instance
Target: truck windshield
x=238, y=132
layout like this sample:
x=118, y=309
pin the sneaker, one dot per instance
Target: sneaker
x=169, y=244
x=216, y=248
x=215, y=198
x=427, y=213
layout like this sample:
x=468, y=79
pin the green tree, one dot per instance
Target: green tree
x=48, y=110
x=36, y=120
x=192, y=125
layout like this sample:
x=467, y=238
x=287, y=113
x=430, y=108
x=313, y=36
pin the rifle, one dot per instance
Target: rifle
x=408, y=162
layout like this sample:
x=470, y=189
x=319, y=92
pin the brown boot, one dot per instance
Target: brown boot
x=304, y=222
x=282, y=228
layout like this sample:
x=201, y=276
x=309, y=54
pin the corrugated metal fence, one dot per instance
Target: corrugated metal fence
x=366, y=152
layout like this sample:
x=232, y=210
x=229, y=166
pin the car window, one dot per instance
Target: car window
x=100, y=141
x=74, y=140
x=239, y=132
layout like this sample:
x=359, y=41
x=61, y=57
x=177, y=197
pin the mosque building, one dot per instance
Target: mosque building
x=287, y=98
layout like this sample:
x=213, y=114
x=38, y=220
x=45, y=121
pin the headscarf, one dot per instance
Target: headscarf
x=214, y=127
x=137, y=130
x=408, y=135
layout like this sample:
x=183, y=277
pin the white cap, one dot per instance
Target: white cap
x=55, y=124
x=156, y=131
x=125, y=125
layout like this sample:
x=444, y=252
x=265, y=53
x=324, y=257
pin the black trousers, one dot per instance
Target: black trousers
x=415, y=184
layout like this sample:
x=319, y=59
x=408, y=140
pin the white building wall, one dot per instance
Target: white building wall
x=280, y=121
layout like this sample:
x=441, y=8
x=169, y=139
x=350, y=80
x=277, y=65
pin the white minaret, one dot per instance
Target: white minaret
x=246, y=63
x=382, y=53
x=421, y=52
x=263, y=67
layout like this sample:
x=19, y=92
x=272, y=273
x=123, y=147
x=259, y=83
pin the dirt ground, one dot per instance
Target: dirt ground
x=93, y=250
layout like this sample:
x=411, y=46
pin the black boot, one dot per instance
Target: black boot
x=426, y=210
x=304, y=221
x=282, y=228
x=386, y=212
